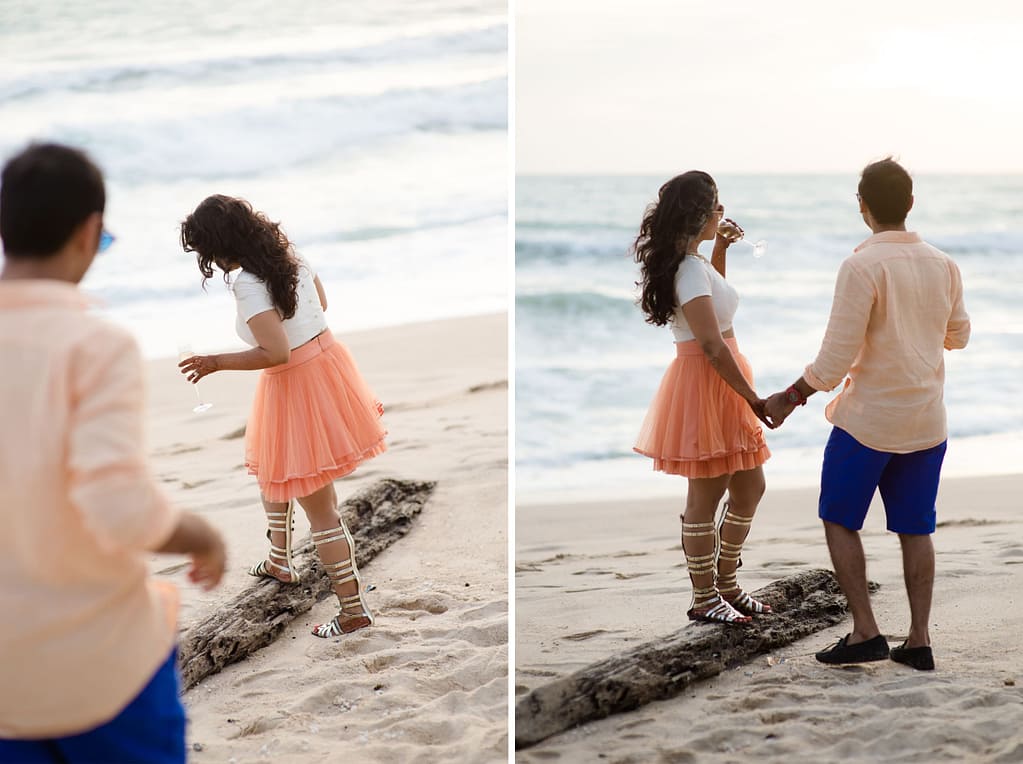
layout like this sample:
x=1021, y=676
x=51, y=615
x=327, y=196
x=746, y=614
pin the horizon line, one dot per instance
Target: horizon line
x=658, y=174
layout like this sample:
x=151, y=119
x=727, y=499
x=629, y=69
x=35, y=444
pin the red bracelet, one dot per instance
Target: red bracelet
x=793, y=396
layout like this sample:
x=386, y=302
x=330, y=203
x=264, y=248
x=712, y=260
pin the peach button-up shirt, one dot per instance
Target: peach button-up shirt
x=898, y=306
x=83, y=629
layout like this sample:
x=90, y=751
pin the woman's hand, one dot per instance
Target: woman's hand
x=759, y=406
x=198, y=366
x=729, y=232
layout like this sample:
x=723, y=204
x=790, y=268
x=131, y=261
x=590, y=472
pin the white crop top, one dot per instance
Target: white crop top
x=696, y=277
x=253, y=298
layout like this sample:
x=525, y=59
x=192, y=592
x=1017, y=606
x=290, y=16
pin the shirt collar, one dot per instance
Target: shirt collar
x=23, y=293
x=890, y=237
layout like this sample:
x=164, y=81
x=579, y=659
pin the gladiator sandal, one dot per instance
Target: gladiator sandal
x=353, y=613
x=707, y=603
x=729, y=559
x=279, y=559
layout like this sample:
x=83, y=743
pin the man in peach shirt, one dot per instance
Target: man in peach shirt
x=898, y=306
x=87, y=656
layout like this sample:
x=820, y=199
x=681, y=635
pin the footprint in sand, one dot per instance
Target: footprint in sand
x=584, y=635
x=428, y=604
x=188, y=486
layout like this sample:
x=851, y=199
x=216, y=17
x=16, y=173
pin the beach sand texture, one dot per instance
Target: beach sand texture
x=429, y=681
x=595, y=579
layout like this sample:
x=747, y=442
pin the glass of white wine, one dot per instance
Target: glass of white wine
x=734, y=233
x=185, y=351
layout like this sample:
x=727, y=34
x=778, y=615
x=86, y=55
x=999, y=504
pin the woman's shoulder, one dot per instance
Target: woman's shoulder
x=691, y=265
x=243, y=276
x=303, y=264
x=248, y=285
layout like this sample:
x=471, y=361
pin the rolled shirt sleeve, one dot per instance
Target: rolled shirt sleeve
x=110, y=482
x=847, y=329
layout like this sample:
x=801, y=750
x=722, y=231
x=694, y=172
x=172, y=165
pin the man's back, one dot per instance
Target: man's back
x=898, y=305
x=79, y=509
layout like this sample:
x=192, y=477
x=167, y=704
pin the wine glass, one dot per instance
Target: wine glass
x=732, y=231
x=185, y=351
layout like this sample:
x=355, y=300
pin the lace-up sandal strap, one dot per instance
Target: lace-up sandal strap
x=734, y=550
x=329, y=629
x=744, y=603
x=279, y=557
x=277, y=554
x=729, y=553
x=734, y=519
x=278, y=521
x=699, y=564
x=719, y=612
x=704, y=596
x=725, y=613
x=341, y=572
x=699, y=529
x=329, y=536
x=262, y=570
x=346, y=621
x=351, y=601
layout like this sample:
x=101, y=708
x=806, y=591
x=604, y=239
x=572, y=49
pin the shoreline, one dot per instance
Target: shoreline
x=978, y=456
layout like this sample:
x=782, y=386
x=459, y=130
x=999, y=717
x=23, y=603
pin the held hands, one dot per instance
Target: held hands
x=779, y=407
x=772, y=411
x=198, y=366
x=759, y=406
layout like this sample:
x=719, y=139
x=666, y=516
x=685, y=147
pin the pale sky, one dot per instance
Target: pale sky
x=752, y=86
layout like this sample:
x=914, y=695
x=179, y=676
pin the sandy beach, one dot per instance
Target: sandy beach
x=429, y=681
x=594, y=579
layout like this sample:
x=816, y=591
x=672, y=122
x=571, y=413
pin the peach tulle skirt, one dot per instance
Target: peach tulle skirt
x=314, y=419
x=698, y=426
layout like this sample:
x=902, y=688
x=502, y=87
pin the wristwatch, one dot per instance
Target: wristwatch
x=793, y=396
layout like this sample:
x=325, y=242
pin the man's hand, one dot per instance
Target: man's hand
x=209, y=563
x=778, y=408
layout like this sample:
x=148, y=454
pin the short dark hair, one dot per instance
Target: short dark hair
x=46, y=192
x=887, y=190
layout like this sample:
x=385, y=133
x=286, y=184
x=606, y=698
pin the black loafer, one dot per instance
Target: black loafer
x=875, y=649
x=920, y=658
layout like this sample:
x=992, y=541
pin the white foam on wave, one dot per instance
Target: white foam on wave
x=275, y=137
x=135, y=69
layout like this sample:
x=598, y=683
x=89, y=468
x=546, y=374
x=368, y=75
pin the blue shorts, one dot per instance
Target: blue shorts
x=150, y=730
x=908, y=484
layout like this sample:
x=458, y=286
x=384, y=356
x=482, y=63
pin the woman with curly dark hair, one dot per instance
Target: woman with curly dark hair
x=314, y=419
x=702, y=423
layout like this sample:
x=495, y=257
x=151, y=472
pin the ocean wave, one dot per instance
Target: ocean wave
x=370, y=233
x=979, y=243
x=569, y=304
x=143, y=75
x=268, y=139
x=570, y=246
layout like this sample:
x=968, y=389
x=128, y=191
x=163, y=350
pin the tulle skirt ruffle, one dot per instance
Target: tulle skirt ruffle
x=314, y=419
x=697, y=426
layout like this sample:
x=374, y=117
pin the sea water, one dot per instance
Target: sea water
x=587, y=365
x=376, y=133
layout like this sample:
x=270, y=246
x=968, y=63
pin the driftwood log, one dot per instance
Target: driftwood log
x=803, y=604
x=377, y=517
